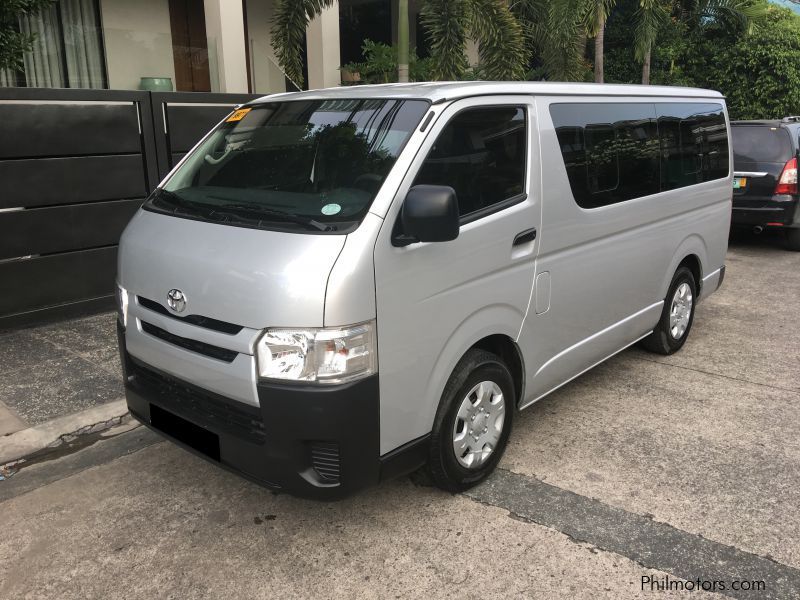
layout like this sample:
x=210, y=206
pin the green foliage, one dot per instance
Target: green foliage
x=747, y=49
x=14, y=44
x=380, y=64
x=289, y=33
x=758, y=72
x=501, y=42
x=555, y=37
x=445, y=23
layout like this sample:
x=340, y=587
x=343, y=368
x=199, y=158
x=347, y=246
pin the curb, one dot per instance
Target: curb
x=52, y=433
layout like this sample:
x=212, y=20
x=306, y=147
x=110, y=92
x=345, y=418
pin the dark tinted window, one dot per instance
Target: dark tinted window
x=760, y=143
x=694, y=144
x=481, y=155
x=619, y=151
x=610, y=150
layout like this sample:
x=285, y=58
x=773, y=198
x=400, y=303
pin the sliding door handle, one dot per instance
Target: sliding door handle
x=525, y=236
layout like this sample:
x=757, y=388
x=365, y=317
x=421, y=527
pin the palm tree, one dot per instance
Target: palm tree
x=447, y=24
x=555, y=32
x=650, y=15
x=501, y=44
x=697, y=15
x=289, y=32
x=596, y=17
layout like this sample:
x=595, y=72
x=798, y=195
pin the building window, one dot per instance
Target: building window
x=68, y=50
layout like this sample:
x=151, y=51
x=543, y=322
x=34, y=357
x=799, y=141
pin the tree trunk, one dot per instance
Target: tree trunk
x=598, y=46
x=646, y=68
x=402, y=41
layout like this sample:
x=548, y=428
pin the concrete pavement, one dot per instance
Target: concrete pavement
x=682, y=467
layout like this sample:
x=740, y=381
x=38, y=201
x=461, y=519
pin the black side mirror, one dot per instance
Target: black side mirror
x=429, y=214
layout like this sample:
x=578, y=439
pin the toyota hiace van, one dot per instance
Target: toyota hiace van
x=339, y=286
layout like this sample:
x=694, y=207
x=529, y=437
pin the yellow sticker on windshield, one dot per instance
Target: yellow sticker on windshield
x=238, y=115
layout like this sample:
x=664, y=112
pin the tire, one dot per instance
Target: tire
x=793, y=239
x=663, y=340
x=479, y=375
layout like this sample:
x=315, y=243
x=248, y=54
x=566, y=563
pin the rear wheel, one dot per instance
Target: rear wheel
x=473, y=422
x=677, y=316
x=793, y=239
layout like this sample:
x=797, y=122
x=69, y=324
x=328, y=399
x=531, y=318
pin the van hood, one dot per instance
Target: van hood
x=249, y=277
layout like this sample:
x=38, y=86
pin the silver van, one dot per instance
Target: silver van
x=339, y=286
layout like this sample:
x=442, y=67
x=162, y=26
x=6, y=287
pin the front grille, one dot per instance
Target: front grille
x=325, y=460
x=198, y=320
x=222, y=354
x=200, y=406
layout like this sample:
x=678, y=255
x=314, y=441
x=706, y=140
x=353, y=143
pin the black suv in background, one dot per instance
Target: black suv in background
x=765, y=192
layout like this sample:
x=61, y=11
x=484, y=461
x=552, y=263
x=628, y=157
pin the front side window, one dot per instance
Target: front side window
x=314, y=165
x=481, y=154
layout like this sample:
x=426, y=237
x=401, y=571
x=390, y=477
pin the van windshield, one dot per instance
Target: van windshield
x=299, y=165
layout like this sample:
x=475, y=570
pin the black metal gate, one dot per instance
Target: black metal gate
x=74, y=167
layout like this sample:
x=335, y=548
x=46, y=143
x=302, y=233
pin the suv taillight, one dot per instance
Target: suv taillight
x=787, y=184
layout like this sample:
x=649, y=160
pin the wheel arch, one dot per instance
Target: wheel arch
x=507, y=349
x=493, y=328
x=691, y=253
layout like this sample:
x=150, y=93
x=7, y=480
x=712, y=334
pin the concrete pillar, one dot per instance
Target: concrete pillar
x=324, y=59
x=227, y=50
x=473, y=52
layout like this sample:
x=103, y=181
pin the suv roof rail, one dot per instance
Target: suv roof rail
x=791, y=119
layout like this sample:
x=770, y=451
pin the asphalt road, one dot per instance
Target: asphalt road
x=682, y=467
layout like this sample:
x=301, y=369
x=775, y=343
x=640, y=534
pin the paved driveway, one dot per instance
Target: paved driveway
x=673, y=468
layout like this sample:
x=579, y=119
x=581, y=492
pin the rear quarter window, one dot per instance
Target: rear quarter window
x=619, y=151
x=760, y=143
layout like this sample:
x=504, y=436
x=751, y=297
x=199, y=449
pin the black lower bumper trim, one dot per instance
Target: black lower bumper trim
x=758, y=213
x=313, y=441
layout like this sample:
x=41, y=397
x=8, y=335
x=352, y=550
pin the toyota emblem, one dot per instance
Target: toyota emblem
x=176, y=300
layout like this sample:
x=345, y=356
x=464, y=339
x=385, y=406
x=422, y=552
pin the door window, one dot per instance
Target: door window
x=481, y=154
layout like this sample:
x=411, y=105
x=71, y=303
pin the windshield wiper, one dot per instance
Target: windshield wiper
x=258, y=213
x=174, y=202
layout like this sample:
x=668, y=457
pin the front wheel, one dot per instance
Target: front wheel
x=677, y=316
x=473, y=422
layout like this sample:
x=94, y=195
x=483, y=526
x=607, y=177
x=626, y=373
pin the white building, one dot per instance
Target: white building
x=191, y=45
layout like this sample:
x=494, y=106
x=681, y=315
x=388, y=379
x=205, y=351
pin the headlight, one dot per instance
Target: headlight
x=321, y=355
x=122, y=305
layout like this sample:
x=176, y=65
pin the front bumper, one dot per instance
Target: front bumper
x=311, y=441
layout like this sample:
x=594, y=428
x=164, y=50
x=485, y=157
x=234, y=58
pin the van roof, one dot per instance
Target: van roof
x=441, y=91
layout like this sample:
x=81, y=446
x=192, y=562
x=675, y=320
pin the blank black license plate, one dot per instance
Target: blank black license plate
x=194, y=436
